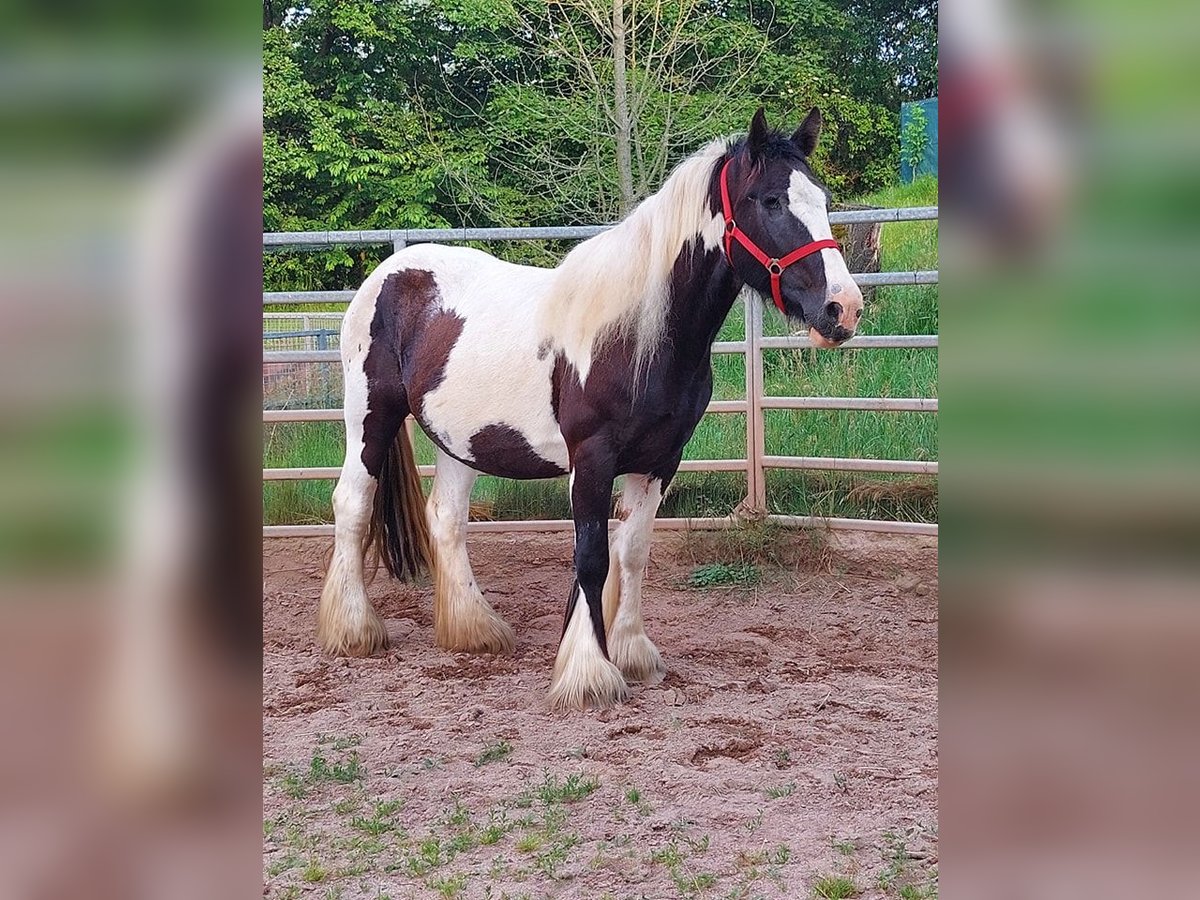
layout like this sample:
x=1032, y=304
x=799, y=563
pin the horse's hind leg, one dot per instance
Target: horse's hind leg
x=462, y=618
x=628, y=646
x=347, y=624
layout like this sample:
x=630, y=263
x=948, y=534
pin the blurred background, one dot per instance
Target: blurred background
x=130, y=296
x=130, y=269
x=1070, y=418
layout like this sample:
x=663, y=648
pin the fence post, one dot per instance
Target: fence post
x=756, y=426
x=756, y=486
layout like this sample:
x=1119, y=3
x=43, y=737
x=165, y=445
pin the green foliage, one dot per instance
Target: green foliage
x=389, y=114
x=724, y=575
x=835, y=887
x=914, y=139
x=496, y=752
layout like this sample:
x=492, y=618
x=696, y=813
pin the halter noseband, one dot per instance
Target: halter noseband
x=774, y=266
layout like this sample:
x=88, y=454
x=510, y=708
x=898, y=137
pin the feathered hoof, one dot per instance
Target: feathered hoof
x=480, y=630
x=364, y=637
x=590, y=683
x=637, y=658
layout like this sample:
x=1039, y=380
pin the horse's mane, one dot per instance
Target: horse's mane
x=616, y=283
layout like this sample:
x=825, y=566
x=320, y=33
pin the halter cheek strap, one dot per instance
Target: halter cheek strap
x=774, y=266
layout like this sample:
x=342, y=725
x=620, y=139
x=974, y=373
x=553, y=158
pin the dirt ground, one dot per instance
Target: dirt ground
x=791, y=750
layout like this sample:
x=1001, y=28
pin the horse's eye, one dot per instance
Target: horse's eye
x=771, y=202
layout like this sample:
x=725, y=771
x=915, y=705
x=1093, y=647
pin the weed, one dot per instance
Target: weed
x=779, y=854
x=343, y=773
x=634, y=796
x=527, y=843
x=380, y=821
x=783, y=758
x=754, y=824
x=460, y=815
x=293, y=785
x=290, y=861
x=689, y=885
x=491, y=835
x=556, y=854
x=450, y=886
x=569, y=790
x=782, y=790
x=433, y=762
x=502, y=749
x=835, y=887
x=713, y=575
x=668, y=856
x=846, y=848
x=314, y=872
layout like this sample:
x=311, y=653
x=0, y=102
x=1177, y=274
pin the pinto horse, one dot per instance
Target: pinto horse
x=597, y=368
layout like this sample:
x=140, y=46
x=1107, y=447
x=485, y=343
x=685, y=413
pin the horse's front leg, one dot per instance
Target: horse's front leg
x=583, y=674
x=628, y=646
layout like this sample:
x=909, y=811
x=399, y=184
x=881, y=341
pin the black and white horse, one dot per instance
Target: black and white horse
x=597, y=368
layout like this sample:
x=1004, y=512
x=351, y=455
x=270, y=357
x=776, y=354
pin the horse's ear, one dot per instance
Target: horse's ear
x=809, y=131
x=757, y=139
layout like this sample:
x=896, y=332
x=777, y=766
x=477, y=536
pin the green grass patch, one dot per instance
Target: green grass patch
x=496, y=752
x=835, y=887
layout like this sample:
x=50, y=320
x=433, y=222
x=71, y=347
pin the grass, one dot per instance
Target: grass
x=782, y=790
x=835, y=887
x=496, y=752
x=909, y=309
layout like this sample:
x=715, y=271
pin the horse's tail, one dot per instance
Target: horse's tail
x=399, y=531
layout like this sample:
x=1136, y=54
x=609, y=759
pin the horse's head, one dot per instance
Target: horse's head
x=777, y=231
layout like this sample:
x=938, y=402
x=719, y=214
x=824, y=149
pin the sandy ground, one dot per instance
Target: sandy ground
x=793, y=739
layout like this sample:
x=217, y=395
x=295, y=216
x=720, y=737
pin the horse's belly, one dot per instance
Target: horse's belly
x=496, y=416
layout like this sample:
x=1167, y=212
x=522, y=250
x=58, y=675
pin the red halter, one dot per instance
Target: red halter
x=771, y=264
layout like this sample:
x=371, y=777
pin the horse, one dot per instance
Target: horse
x=597, y=368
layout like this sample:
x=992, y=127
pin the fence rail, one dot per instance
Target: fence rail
x=756, y=462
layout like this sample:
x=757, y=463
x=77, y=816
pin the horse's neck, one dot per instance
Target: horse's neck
x=701, y=297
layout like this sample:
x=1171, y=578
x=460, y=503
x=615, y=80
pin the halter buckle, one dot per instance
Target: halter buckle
x=774, y=268
x=730, y=226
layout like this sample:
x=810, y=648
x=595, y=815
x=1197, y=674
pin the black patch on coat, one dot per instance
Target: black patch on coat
x=411, y=339
x=501, y=450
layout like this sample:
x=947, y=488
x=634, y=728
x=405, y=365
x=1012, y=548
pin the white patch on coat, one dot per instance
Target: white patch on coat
x=807, y=203
x=493, y=375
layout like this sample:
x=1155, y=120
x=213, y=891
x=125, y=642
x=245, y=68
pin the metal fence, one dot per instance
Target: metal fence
x=756, y=461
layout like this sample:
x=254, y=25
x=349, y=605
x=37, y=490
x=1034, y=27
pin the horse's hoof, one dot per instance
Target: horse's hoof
x=481, y=631
x=637, y=658
x=366, y=639
x=599, y=685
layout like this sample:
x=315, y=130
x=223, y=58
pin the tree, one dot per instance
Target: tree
x=394, y=113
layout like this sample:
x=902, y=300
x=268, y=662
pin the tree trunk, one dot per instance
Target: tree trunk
x=624, y=139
